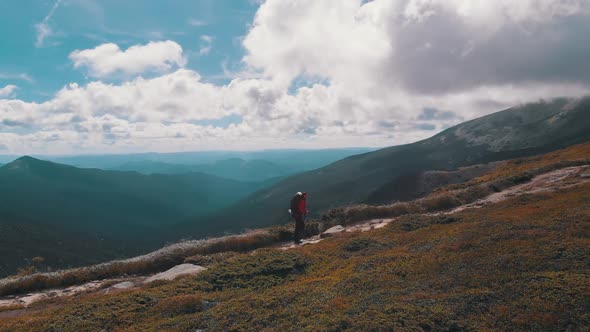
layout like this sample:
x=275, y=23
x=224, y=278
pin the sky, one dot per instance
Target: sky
x=109, y=76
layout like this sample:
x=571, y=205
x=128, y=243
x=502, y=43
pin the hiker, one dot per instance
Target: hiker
x=298, y=211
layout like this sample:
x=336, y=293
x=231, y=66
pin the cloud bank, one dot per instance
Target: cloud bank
x=319, y=73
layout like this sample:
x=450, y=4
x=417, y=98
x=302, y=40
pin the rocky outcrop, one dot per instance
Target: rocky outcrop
x=333, y=231
x=173, y=273
x=120, y=286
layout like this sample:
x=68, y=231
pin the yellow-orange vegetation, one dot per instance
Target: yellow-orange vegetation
x=522, y=264
x=518, y=265
x=574, y=153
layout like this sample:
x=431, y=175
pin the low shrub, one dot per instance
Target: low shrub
x=243, y=243
x=12, y=307
x=365, y=212
x=337, y=216
x=208, y=260
x=313, y=228
x=359, y=244
x=414, y=222
x=282, y=233
x=473, y=193
x=156, y=262
x=264, y=268
x=179, y=305
x=440, y=202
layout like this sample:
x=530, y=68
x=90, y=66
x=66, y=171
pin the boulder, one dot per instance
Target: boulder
x=123, y=285
x=120, y=286
x=333, y=231
x=173, y=273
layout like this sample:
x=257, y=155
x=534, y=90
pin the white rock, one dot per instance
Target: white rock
x=332, y=231
x=120, y=286
x=32, y=298
x=381, y=225
x=123, y=285
x=176, y=271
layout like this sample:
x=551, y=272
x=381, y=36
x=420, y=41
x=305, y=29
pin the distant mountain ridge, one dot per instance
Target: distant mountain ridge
x=73, y=216
x=94, y=214
x=374, y=177
x=248, y=166
x=234, y=169
x=93, y=199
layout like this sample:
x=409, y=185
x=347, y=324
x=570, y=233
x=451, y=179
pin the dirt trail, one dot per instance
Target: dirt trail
x=548, y=182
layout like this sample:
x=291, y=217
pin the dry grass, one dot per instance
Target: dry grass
x=207, y=252
x=211, y=259
x=572, y=156
x=179, y=305
x=440, y=202
x=152, y=263
x=509, y=174
x=158, y=261
x=520, y=265
x=12, y=307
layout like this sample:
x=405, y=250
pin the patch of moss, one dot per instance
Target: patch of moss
x=361, y=244
x=264, y=268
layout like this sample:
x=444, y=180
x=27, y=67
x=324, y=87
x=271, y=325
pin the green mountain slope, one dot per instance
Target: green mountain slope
x=114, y=202
x=22, y=239
x=518, y=264
x=73, y=216
x=375, y=177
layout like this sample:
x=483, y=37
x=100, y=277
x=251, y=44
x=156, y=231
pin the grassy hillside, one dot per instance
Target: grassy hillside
x=521, y=264
x=21, y=240
x=92, y=199
x=67, y=214
x=378, y=177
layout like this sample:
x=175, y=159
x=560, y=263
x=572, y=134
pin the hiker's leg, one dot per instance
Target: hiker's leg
x=299, y=228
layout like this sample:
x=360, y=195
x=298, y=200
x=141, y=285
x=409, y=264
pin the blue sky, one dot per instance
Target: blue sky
x=40, y=70
x=106, y=76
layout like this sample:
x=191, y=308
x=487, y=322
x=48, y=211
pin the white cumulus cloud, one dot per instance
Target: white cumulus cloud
x=339, y=40
x=319, y=73
x=109, y=59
